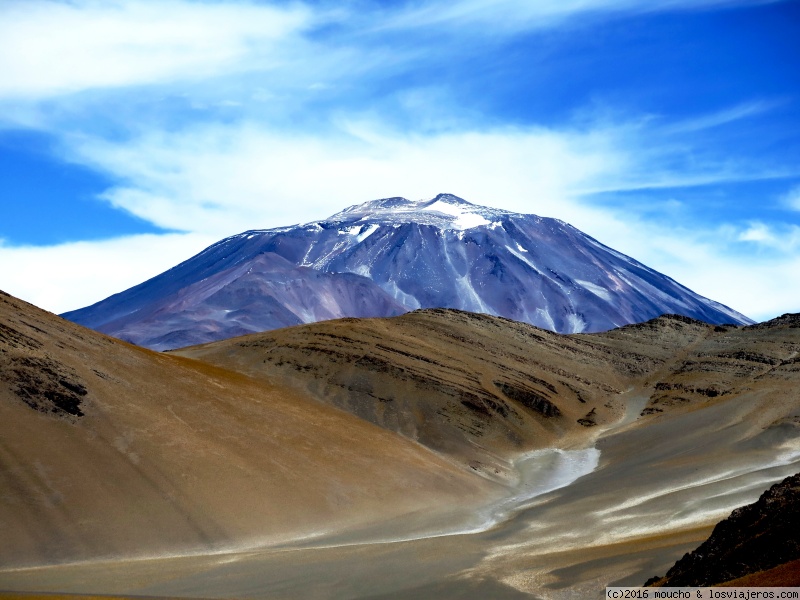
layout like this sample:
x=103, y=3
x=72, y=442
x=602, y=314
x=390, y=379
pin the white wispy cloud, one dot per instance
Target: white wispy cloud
x=791, y=199
x=512, y=16
x=725, y=116
x=760, y=287
x=275, y=157
x=55, y=47
x=785, y=237
x=49, y=47
x=223, y=179
x=73, y=275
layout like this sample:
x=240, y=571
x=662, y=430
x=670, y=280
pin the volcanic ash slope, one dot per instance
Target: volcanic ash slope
x=110, y=450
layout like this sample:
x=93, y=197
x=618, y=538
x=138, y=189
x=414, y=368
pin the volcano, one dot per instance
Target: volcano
x=390, y=256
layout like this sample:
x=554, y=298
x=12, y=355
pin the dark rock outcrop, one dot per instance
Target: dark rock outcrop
x=44, y=384
x=756, y=537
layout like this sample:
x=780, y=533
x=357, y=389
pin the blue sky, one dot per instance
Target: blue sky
x=135, y=133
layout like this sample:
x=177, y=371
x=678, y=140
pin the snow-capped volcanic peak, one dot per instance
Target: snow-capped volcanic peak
x=464, y=218
x=445, y=211
x=388, y=256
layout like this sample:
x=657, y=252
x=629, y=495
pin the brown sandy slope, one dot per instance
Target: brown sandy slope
x=720, y=363
x=479, y=388
x=692, y=421
x=720, y=425
x=484, y=388
x=109, y=450
x=34, y=596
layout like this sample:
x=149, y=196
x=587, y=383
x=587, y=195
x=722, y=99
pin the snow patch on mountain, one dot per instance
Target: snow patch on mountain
x=368, y=231
x=595, y=289
x=463, y=219
x=524, y=259
x=575, y=323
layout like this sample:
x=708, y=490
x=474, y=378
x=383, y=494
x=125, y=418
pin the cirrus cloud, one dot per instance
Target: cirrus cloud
x=49, y=48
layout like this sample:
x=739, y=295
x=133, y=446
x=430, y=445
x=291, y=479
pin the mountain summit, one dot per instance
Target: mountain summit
x=389, y=256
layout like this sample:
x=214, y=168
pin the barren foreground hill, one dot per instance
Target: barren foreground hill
x=110, y=450
x=435, y=454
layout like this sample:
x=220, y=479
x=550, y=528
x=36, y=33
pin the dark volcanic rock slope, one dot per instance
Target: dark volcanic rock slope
x=389, y=256
x=757, y=537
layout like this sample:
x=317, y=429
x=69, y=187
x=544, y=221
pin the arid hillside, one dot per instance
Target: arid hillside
x=436, y=454
x=109, y=450
x=713, y=364
x=483, y=389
